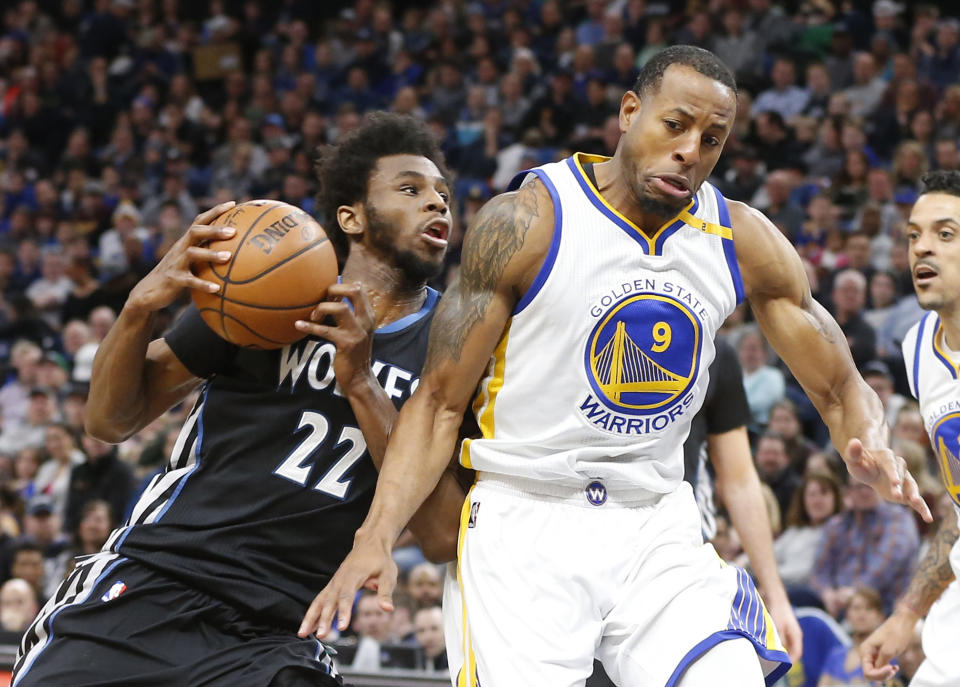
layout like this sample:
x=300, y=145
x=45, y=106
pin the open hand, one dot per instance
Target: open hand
x=887, y=473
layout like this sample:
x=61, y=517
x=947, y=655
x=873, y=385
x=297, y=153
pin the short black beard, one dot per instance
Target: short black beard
x=415, y=270
x=658, y=208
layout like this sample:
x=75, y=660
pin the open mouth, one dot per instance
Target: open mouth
x=923, y=274
x=437, y=231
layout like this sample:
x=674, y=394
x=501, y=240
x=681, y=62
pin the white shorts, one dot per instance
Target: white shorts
x=940, y=668
x=549, y=581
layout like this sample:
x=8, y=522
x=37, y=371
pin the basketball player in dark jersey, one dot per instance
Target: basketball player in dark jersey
x=275, y=466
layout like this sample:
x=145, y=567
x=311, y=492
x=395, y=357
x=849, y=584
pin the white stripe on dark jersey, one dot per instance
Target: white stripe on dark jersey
x=74, y=590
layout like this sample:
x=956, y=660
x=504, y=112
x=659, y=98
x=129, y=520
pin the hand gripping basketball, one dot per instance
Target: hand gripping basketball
x=173, y=273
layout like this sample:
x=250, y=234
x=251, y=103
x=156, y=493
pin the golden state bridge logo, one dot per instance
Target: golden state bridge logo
x=946, y=443
x=641, y=360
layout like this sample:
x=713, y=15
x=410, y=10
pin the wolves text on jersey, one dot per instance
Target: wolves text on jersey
x=311, y=362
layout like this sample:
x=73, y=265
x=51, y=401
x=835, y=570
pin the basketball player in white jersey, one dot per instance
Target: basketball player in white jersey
x=586, y=310
x=930, y=352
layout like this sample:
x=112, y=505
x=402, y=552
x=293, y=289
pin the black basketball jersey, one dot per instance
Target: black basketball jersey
x=270, y=476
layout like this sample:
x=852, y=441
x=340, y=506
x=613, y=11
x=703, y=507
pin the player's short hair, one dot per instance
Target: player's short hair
x=344, y=169
x=698, y=59
x=941, y=181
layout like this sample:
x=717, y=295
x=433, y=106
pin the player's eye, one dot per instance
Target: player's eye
x=409, y=188
x=946, y=234
x=672, y=124
x=445, y=196
x=913, y=235
x=712, y=141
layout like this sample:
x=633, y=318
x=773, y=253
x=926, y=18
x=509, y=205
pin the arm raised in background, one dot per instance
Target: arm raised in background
x=810, y=342
x=134, y=379
x=739, y=485
x=502, y=251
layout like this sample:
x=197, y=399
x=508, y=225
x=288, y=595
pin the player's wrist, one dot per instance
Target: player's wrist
x=375, y=536
x=907, y=612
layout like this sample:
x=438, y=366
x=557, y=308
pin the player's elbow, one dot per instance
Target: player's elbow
x=104, y=430
x=441, y=547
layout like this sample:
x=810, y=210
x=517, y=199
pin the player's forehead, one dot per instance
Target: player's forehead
x=392, y=168
x=935, y=208
x=686, y=88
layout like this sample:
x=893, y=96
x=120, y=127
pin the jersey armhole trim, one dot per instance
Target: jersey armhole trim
x=729, y=249
x=914, y=379
x=547, y=267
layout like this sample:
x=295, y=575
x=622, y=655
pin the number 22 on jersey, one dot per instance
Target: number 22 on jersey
x=296, y=467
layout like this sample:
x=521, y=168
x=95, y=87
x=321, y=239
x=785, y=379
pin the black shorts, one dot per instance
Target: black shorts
x=116, y=622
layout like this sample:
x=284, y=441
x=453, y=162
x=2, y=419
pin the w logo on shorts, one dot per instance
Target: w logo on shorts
x=116, y=590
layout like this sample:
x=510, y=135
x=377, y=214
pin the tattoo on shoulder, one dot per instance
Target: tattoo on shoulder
x=818, y=317
x=497, y=235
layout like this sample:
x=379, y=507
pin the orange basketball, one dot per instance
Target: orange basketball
x=281, y=265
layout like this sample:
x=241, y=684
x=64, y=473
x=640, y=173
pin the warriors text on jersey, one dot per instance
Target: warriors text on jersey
x=270, y=477
x=604, y=362
x=935, y=382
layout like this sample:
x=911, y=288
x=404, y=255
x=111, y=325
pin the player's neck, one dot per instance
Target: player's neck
x=391, y=295
x=616, y=192
x=951, y=329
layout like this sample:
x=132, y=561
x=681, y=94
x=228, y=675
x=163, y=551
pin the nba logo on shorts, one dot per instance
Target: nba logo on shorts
x=116, y=590
x=474, y=509
x=596, y=493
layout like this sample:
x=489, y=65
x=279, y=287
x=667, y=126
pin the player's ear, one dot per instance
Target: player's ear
x=351, y=219
x=629, y=108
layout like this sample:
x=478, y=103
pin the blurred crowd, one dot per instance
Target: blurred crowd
x=119, y=119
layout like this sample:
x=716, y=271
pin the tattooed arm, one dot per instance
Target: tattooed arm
x=934, y=574
x=502, y=253
x=812, y=345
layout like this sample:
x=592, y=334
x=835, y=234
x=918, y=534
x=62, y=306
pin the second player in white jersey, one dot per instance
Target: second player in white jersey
x=933, y=370
x=615, y=336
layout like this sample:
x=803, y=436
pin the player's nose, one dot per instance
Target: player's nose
x=435, y=202
x=687, y=149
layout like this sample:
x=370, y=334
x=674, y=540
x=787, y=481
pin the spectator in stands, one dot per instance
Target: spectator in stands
x=865, y=612
x=372, y=626
x=815, y=500
x=868, y=87
x=25, y=359
x=872, y=544
x=877, y=374
x=41, y=410
x=102, y=476
x=18, y=605
x=849, y=297
x=763, y=383
x=785, y=422
x=774, y=468
x=428, y=626
x=785, y=97
x=44, y=527
x=782, y=211
x=61, y=457
x=27, y=564
x=95, y=524
x=425, y=584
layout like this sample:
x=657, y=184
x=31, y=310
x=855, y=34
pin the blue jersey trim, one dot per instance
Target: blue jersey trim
x=591, y=196
x=916, y=357
x=106, y=573
x=723, y=635
x=407, y=320
x=183, y=480
x=547, y=267
x=947, y=363
x=729, y=249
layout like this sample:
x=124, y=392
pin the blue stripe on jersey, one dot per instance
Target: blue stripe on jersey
x=729, y=249
x=937, y=351
x=672, y=229
x=596, y=202
x=551, y=258
x=407, y=320
x=186, y=476
x=916, y=357
x=773, y=655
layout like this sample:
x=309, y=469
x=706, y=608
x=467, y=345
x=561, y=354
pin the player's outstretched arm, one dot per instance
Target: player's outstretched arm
x=501, y=253
x=932, y=577
x=739, y=484
x=134, y=380
x=811, y=343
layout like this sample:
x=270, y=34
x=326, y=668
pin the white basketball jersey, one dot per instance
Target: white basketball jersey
x=603, y=363
x=935, y=382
